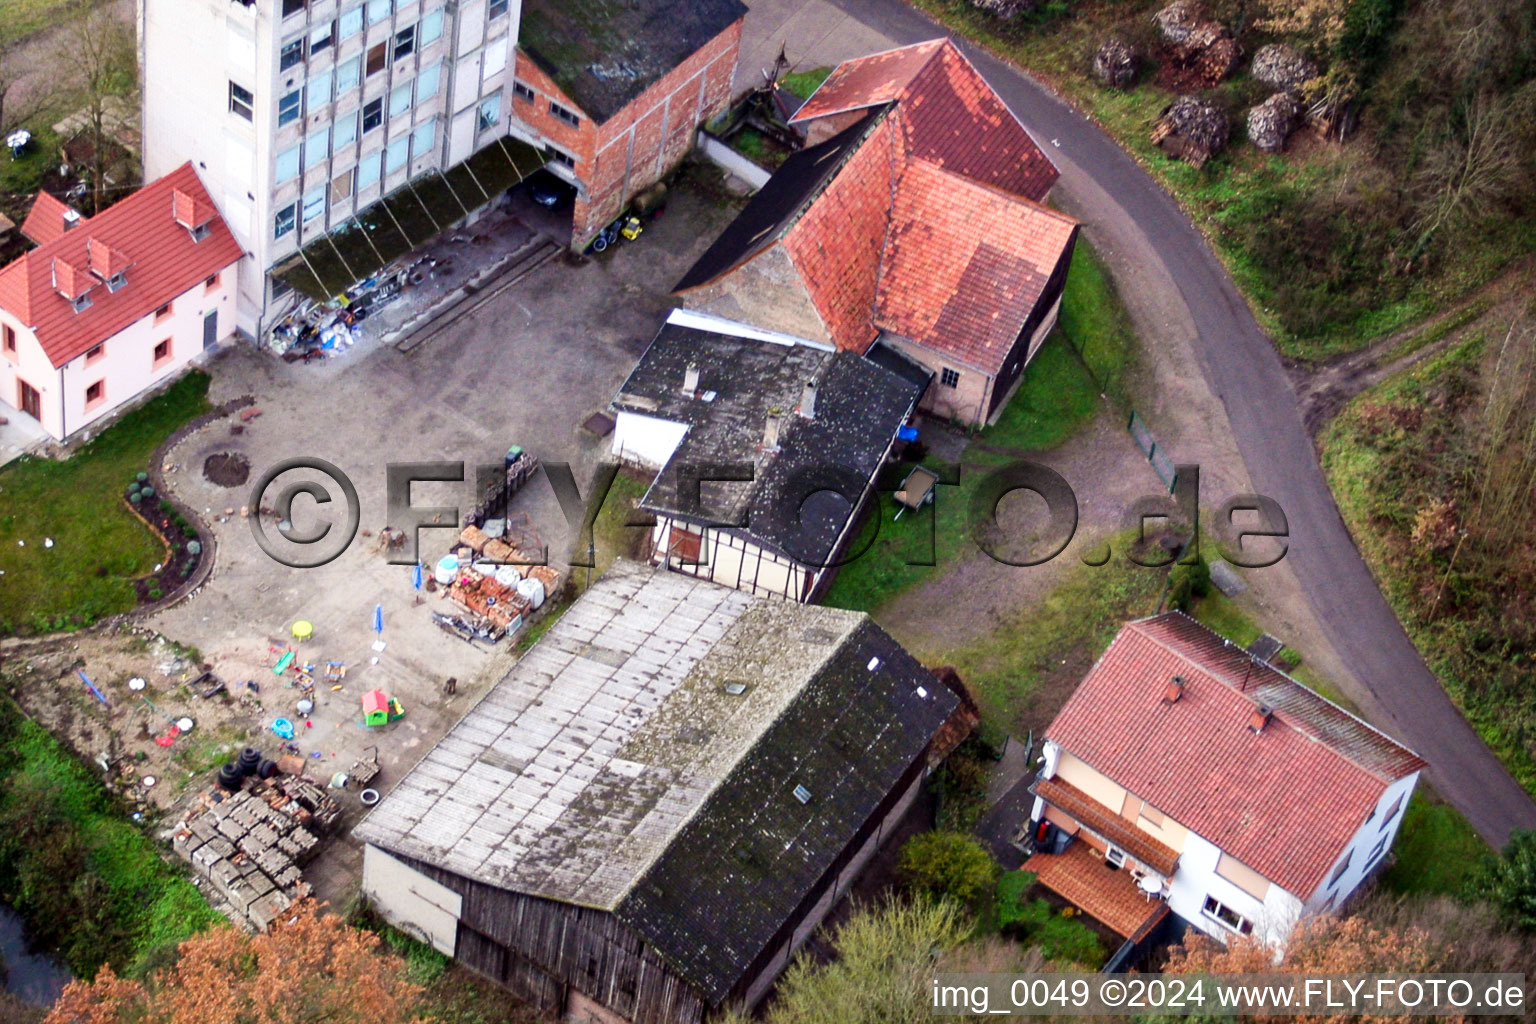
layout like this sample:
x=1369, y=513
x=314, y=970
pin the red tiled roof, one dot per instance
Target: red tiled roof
x=949, y=114
x=868, y=81
x=965, y=264
x=45, y=221
x=190, y=211
x=1284, y=801
x=1104, y=893
x=1095, y=817
x=837, y=243
x=141, y=230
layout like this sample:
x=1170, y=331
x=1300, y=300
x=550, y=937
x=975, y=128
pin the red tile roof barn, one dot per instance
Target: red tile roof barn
x=965, y=264
x=141, y=232
x=46, y=220
x=949, y=114
x=1285, y=800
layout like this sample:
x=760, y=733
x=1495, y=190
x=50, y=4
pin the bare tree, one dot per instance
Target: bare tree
x=1477, y=164
x=100, y=52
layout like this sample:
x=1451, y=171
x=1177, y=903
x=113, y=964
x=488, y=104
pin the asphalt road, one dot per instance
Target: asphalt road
x=1240, y=364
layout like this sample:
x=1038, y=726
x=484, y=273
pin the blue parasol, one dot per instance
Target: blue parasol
x=416, y=576
x=378, y=618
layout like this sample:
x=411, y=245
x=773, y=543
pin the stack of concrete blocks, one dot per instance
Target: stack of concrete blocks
x=252, y=852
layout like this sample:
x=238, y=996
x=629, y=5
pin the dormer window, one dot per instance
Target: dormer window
x=192, y=213
x=116, y=282
x=81, y=303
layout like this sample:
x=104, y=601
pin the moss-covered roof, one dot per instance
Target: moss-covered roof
x=604, y=53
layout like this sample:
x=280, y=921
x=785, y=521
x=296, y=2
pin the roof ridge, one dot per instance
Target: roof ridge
x=997, y=190
x=1291, y=720
x=867, y=57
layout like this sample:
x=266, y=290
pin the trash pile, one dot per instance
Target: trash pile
x=492, y=579
x=317, y=330
x=251, y=842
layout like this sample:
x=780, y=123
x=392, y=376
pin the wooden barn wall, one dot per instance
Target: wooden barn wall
x=536, y=947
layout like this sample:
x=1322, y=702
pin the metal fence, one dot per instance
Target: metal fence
x=1159, y=460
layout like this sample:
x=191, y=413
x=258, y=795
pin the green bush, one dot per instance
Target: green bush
x=947, y=865
x=155, y=594
x=1188, y=583
x=1509, y=880
x=1061, y=938
x=961, y=785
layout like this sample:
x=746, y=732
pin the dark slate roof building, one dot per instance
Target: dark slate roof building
x=764, y=443
x=655, y=806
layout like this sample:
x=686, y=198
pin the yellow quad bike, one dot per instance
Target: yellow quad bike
x=630, y=228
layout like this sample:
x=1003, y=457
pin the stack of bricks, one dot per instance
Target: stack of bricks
x=500, y=604
x=251, y=844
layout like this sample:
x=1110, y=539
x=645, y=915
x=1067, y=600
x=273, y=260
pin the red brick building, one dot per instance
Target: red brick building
x=615, y=93
x=913, y=220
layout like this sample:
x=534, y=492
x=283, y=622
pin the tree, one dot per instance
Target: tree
x=309, y=967
x=99, y=49
x=947, y=865
x=1509, y=880
x=886, y=956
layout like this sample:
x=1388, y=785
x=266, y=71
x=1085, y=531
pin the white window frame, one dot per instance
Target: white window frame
x=310, y=209
x=379, y=10
x=290, y=213
x=242, y=101
x=317, y=147
x=428, y=81
x=431, y=27
x=350, y=23
x=399, y=100
x=368, y=170
x=349, y=74
x=482, y=124
x=290, y=158
x=400, y=148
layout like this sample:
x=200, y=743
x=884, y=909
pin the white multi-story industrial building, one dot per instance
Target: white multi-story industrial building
x=298, y=114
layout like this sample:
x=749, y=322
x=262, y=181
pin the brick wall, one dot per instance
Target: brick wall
x=640, y=144
x=838, y=242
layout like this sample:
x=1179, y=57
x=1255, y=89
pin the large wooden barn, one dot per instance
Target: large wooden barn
x=657, y=805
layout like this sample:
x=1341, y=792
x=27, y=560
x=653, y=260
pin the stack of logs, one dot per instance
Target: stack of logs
x=251, y=844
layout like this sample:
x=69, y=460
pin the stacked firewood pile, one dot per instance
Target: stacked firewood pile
x=1199, y=44
x=1192, y=129
x=1115, y=64
x=1271, y=122
x=1287, y=71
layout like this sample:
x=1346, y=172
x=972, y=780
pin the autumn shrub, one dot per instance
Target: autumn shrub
x=947, y=865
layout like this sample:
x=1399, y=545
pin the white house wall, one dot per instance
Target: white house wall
x=1196, y=878
x=426, y=910
x=1377, y=830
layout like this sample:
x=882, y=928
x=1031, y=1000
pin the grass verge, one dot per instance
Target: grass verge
x=1436, y=850
x=87, y=882
x=1402, y=460
x=1087, y=356
x=99, y=546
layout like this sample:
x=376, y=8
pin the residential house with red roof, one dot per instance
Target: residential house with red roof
x=108, y=307
x=1186, y=776
x=913, y=222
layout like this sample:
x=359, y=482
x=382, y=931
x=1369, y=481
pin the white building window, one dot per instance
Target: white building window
x=422, y=138
x=289, y=108
x=523, y=92
x=495, y=9
x=426, y=82
x=314, y=204
x=563, y=159
x=400, y=100
x=318, y=92
x=378, y=10
x=317, y=147
x=322, y=38
x=341, y=186
x=490, y=113
x=348, y=74
x=395, y=156
x=495, y=60
x=292, y=53
x=431, y=27
x=288, y=165
x=568, y=116
x=368, y=171
x=241, y=101
x=950, y=378
x=285, y=220
x=345, y=131
x=405, y=42
x=373, y=114
x=351, y=23
x=1219, y=911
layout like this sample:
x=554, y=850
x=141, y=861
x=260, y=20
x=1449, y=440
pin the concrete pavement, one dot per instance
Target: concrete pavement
x=1121, y=205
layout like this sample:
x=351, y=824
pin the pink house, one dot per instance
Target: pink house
x=107, y=307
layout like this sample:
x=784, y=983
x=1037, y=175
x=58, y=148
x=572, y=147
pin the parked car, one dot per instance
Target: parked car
x=548, y=190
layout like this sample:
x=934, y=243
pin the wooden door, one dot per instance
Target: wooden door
x=29, y=401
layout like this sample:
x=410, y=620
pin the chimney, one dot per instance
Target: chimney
x=1174, y=690
x=691, y=379
x=1260, y=718
x=71, y=218
x=808, y=400
x=771, y=432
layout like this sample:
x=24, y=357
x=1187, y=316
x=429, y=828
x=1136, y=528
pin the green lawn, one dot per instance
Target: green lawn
x=99, y=546
x=1436, y=850
x=803, y=83
x=1023, y=671
x=21, y=18
x=1059, y=396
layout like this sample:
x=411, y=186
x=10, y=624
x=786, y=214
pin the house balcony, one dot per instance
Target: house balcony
x=1085, y=813
x=1103, y=892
